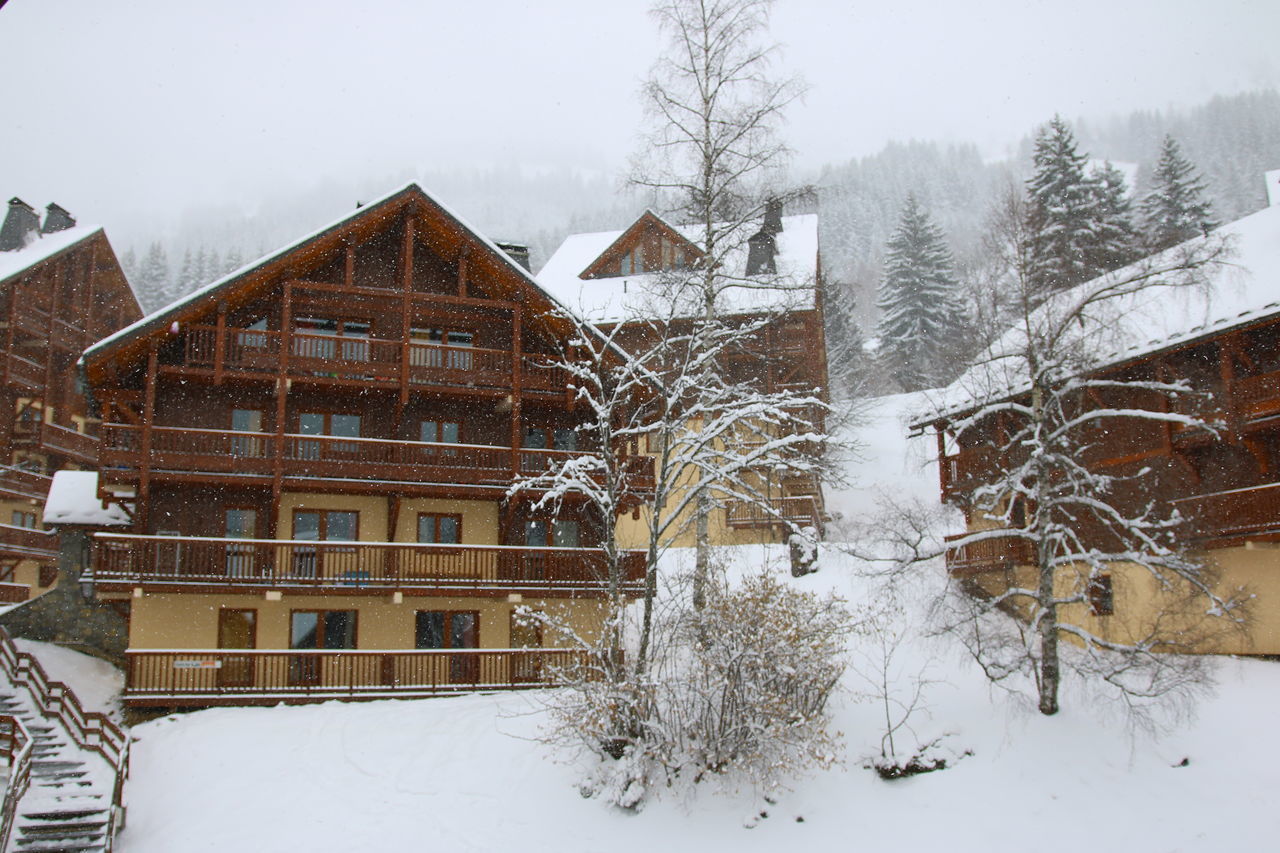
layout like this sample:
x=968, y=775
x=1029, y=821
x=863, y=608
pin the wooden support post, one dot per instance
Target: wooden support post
x=349, y=263
x=1227, y=372
x=148, y=419
x=406, y=310
x=49, y=347
x=944, y=467
x=14, y=294
x=463, y=258
x=517, y=386
x=220, y=343
x=282, y=396
x=87, y=336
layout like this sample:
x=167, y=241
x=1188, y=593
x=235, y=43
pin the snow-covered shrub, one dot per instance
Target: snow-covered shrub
x=735, y=691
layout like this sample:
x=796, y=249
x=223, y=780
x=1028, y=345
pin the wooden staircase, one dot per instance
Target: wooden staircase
x=77, y=762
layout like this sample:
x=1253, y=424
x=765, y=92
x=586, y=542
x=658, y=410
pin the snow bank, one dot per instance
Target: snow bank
x=96, y=683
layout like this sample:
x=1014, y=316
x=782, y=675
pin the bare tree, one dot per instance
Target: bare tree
x=1038, y=416
x=714, y=156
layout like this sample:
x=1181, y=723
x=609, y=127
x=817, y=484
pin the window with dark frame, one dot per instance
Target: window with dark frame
x=1102, y=600
x=317, y=629
x=439, y=528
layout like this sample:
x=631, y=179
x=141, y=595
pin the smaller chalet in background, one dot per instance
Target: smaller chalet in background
x=1226, y=344
x=316, y=452
x=623, y=278
x=61, y=289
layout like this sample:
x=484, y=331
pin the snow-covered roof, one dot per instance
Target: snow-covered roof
x=73, y=499
x=629, y=297
x=157, y=318
x=1243, y=291
x=42, y=248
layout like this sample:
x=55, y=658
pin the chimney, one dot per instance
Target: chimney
x=56, y=218
x=21, y=226
x=762, y=247
x=772, y=217
x=1273, y=187
x=517, y=251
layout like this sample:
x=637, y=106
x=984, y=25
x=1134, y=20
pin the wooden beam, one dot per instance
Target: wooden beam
x=148, y=420
x=517, y=384
x=220, y=342
x=463, y=258
x=406, y=311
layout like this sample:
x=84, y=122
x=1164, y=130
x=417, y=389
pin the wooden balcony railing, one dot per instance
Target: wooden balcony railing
x=28, y=543
x=178, y=677
x=15, y=749
x=13, y=593
x=802, y=510
x=22, y=484
x=122, y=561
x=250, y=453
x=23, y=371
x=987, y=555
x=1257, y=396
x=260, y=351
x=54, y=438
x=1233, y=514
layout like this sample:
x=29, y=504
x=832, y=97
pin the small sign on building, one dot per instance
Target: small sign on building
x=198, y=664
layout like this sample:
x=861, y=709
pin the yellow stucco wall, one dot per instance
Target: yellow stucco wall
x=187, y=621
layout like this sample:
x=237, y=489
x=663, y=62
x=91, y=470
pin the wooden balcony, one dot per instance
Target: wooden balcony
x=23, y=485
x=802, y=511
x=1226, y=518
x=256, y=677
x=57, y=439
x=1257, y=396
x=13, y=593
x=23, y=372
x=192, y=564
x=307, y=356
x=370, y=460
x=25, y=543
x=986, y=555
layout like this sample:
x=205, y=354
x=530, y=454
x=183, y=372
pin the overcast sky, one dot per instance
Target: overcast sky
x=115, y=107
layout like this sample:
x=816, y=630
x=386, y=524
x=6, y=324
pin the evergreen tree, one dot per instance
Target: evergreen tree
x=153, y=278
x=213, y=267
x=1062, y=204
x=188, y=275
x=1116, y=240
x=919, y=298
x=233, y=261
x=129, y=263
x=1176, y=208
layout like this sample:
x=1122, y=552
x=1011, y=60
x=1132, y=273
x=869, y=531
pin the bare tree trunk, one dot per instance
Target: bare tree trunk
x=702, y=560
x=1050, y=673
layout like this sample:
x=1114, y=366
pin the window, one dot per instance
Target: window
x=441, y=432
x=246, y=420
x=317, y=629
x=526, y=633
x=324, y=338
x=450, y=629
x=325, y=526
x=556, y=438
x=625, y=265
x=240, y=523
x=439, y=529
x=441, y=347
x=1101, y=595
x=22, y=518
x=327, y=423
x=539, y=533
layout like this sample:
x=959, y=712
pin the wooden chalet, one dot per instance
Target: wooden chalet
x=317, y=451
x=61, y=289
x=620, y=278
x=1224, y=483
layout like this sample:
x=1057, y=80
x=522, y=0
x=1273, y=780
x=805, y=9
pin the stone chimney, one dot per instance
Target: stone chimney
x=21, y=226
x=517, y=251
x=762, y=247
x=1273, y=187
x=56, y=218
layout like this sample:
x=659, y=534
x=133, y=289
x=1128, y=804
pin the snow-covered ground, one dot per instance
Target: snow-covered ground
x=96, y=683
x=468, y=773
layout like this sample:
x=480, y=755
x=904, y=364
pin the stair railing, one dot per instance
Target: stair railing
x=91, y=730
x=15, y=747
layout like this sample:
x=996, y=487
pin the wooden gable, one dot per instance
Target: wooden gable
x=406, y=244
x=648, y=245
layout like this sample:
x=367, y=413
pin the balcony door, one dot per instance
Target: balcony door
x=441, y=348
x=317, y=630
x=451, y=629
x=326, y=526
x=328, y=424
x=247, y=421
x=240, y=523
x=328, y=339
x=237, y=629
